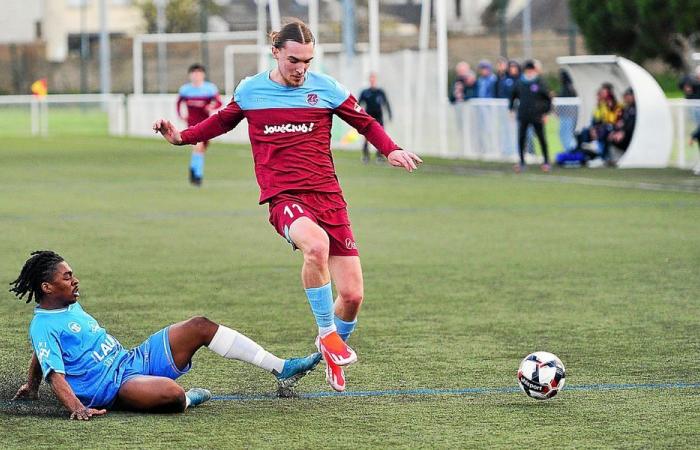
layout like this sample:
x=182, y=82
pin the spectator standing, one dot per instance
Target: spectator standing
x=458, y=91
x=534, y=102
x=690, y=85
x=507, y=124
x=505, y=85
x=374, y=100
x=486, y=82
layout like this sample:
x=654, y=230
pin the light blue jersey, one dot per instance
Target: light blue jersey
x=71, y=342
x=318, y=91
x=206, y=89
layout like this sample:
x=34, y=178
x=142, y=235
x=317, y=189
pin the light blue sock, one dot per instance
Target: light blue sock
x=197, y=164
x=344, y=328
x=321, y=301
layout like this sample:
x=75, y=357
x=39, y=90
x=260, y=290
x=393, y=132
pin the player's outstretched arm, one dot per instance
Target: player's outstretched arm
x=168, y=130
x=30, y=390
x=67, y=397
x=402, y=158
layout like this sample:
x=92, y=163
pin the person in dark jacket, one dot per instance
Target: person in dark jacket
x=374, y=100
x=690, y=85
x=534, y=102
x=505, y=84
x=621, y=136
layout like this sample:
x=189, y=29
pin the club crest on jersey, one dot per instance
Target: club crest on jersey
x=74, y=327
x=312, y=99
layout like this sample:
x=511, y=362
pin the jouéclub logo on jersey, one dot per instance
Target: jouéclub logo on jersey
x=312, y=99
x=289, y=128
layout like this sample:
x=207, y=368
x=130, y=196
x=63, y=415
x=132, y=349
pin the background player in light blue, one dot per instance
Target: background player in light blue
x=90, y=371
x=201, y=98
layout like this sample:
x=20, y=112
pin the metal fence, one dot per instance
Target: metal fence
x=686, y=136
x=487, y=130
x=481, y=129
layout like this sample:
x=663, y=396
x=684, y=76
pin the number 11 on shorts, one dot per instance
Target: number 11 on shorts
x=288, y=210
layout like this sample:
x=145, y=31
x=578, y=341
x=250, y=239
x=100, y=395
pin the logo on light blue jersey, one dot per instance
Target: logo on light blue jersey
x=74, y=327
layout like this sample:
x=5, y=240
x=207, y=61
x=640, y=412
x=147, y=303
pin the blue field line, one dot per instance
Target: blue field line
x=464, y=391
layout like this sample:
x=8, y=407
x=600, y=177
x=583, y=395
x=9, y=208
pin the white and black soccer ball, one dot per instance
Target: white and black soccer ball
x=541, y=375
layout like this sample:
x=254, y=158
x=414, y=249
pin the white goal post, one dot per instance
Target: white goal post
x=179, y=37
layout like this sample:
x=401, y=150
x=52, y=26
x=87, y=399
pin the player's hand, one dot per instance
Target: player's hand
x=26, y=392
x=87, y=413
x=168, y=130
x=402, y=158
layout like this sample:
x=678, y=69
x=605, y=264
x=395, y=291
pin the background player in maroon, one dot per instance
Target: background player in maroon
x=289, y=112
x=200, y=98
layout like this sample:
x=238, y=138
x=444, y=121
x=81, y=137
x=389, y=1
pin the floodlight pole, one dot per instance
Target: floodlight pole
x=527, y=30
x=275, y=21
x=441, y=28
x=83, y=47
x=502, y=31
x=162, y=61
x=423, y=42
x=262, y=32
x=204, y=28
x=313, y=19
x=105, y=68
x=349, y=29
x=373, y=6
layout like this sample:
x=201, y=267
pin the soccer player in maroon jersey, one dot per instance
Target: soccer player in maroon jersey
x=201, y=98
x=289, y=111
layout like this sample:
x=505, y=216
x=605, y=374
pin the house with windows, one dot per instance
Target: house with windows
x=60, y=23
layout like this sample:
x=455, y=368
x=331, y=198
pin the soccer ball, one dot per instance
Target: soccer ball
x=541, y=375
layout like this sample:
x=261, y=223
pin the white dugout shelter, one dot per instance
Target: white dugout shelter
x=653, y=132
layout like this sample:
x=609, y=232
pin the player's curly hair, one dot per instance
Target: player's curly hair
x=39, y=268
x=295, y=30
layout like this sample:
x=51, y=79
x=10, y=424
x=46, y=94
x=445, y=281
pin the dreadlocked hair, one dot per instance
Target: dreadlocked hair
x=38, y=269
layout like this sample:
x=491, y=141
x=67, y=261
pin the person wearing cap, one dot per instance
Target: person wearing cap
x=486, y=82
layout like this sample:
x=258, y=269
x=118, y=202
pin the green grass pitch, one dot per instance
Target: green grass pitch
x=467, y=269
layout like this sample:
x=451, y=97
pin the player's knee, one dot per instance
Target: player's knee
x=173, y=397
x=352, y=297
x=317, y=253
x=202, y=326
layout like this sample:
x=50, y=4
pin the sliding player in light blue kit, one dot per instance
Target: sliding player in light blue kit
x=90, y=371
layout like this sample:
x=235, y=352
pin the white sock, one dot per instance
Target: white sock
x=233, y=345
x=188, y=402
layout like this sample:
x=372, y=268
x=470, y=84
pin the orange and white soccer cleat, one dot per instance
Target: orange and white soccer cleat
x=335, y=374
x=335, y=350
x=335, y=377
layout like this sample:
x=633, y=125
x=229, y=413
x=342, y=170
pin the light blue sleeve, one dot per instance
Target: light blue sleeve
x=47, y=347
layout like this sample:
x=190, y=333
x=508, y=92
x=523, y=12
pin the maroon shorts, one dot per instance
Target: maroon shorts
x=327, y=209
